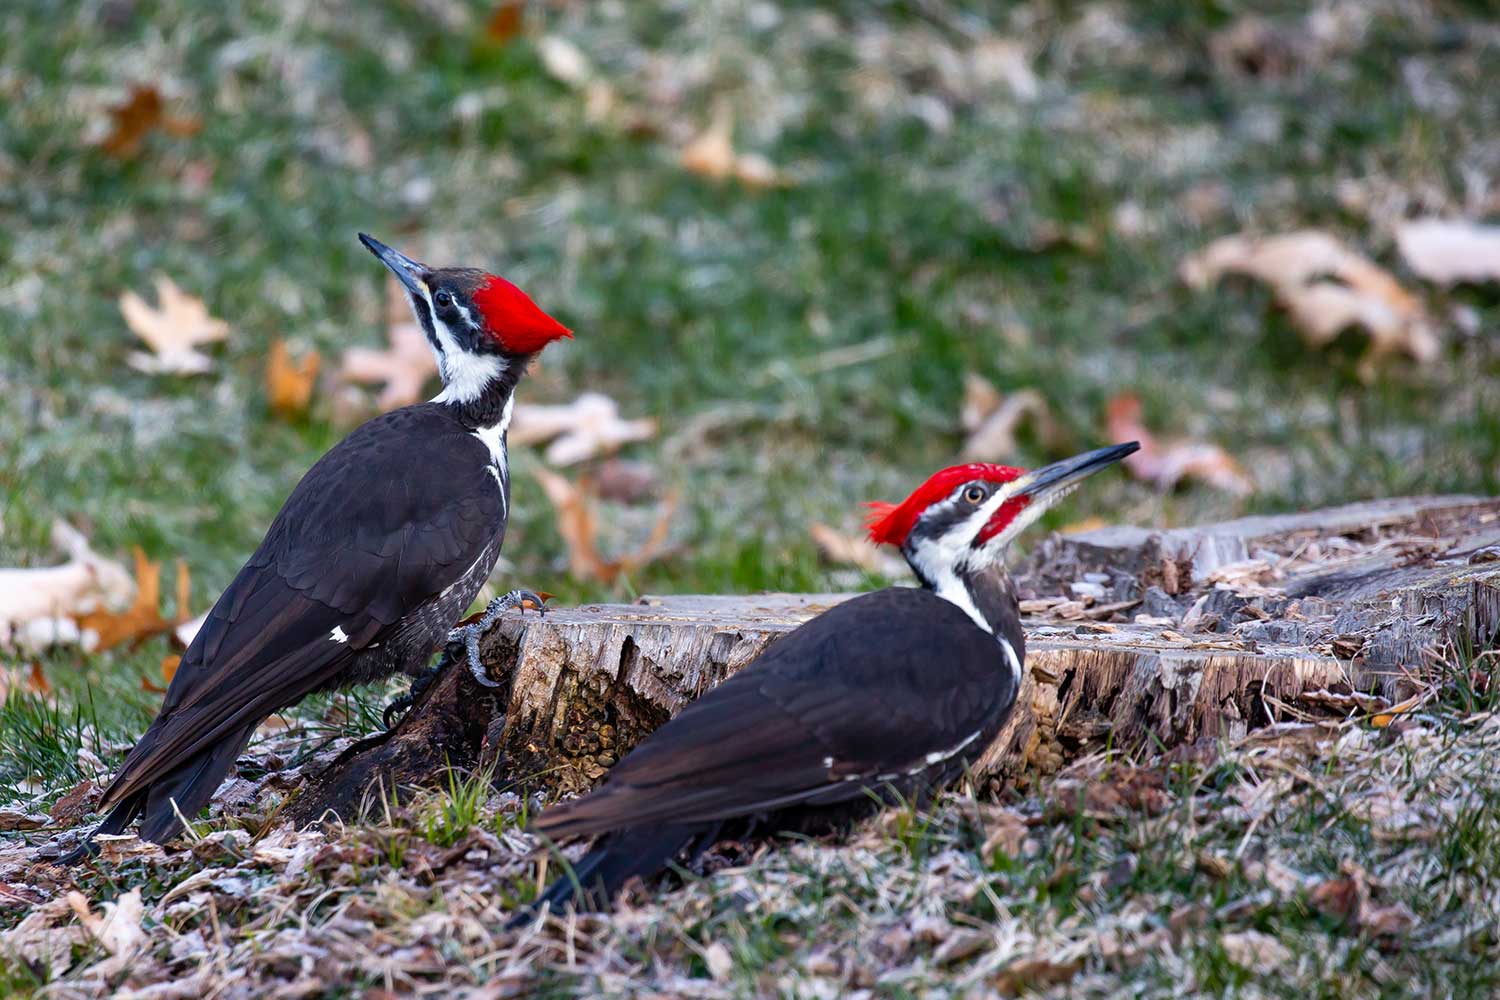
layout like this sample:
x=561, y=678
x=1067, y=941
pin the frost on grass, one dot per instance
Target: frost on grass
x=1318, y=850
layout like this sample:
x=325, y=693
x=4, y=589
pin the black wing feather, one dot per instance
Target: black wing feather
x=869, y=688
x=381, y=525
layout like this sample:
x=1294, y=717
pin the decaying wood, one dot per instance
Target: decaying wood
x=1140, y=638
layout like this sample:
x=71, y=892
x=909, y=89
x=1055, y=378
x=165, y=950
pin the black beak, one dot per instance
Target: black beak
x=409, y=272
x=1052, y=482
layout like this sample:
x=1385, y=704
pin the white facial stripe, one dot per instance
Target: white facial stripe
x=464, y=375
x=939, y=560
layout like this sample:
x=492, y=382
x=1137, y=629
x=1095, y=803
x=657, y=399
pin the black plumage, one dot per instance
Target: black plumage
x=888, y=696
x=376, y=553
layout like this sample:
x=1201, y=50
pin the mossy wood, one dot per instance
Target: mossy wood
x=1137, y=637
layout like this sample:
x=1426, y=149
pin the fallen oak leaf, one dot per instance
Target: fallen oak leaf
x=173, y=329
x=405, y=367
x=1325, y=287
x=578, y=523
x=992, y=420
x=289, y=384
x=1168, y=463
x=1450, y=251
x=38, y=606
x=142, y=619
x=712, y=155
x=505, y=22
x=588, y=426
x=854, y=550
x=117, y=928
x=142, y=111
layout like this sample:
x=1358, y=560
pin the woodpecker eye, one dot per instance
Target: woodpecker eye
x=442, y=299
x=974, y=495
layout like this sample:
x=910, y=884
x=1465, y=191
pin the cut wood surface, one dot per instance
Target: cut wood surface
x=1134, y=637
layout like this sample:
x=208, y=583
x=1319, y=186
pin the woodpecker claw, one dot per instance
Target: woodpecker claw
x=469, y=634
x=419, y=685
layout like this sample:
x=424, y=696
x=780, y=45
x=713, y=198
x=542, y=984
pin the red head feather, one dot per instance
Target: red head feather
x=513, y=319
x=890, y=523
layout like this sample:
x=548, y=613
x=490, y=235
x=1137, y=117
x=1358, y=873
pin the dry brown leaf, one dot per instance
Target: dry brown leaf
x=854, y=550
x=1254, y=950
x=580, y=430
x=38, y=607
x=289, y=384
x=117, y=928
x=173, y=329
x=992, y=420
x=1325, y=288
x=143, y=111
x=1450, y=251
x=143, y=618
x=1166, y=463
x=505, y=21
x=578, y=523
x=712, y=155
x=404, y=368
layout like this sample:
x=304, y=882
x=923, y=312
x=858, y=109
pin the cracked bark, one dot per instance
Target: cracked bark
x=1364, y=597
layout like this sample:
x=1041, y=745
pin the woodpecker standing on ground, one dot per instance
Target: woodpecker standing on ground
x=889, y=694
x=377, y=552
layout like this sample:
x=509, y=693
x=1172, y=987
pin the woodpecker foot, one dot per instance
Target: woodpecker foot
x=419, y=684
x=469, y=634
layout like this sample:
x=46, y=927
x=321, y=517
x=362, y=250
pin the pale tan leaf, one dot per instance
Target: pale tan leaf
x=580, y=430
x=404, y=368
x=1254, y=950
x=712, y=155
x=1450, y=251
x=992, y=420
x=39, y=606
x=172, y=329
x=117, y=928
x=564, y=60
x=1167, y=463
x=1325, y=288
x=853, y=550
x=573, y=504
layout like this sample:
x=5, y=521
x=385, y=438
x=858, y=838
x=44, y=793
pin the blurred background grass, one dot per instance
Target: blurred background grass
x=1004, y=189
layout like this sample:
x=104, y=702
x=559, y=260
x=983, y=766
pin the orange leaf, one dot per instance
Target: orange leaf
x=37, y=683
x=143, y=111
x=289, y=384
x=143, y=618
x=505, y=23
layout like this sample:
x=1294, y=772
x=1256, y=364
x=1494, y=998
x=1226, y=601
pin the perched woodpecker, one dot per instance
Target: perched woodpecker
x=892, y=693
x=377, y=552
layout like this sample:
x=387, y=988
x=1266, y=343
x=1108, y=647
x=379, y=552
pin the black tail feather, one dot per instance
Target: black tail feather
x=164, y=803
x=614, y=860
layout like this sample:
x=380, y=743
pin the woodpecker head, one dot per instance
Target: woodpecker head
x=962, y=519
x=479, y=324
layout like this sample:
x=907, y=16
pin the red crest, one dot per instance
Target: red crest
x=513, y=319
x=890, y=523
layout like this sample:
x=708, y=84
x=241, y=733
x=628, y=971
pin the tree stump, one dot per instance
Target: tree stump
x=1133, y=637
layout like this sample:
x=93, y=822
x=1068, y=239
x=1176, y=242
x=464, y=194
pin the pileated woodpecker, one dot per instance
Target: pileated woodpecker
x=379, y=549
x=888, y=694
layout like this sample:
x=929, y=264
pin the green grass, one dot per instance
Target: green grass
x=921, y=232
